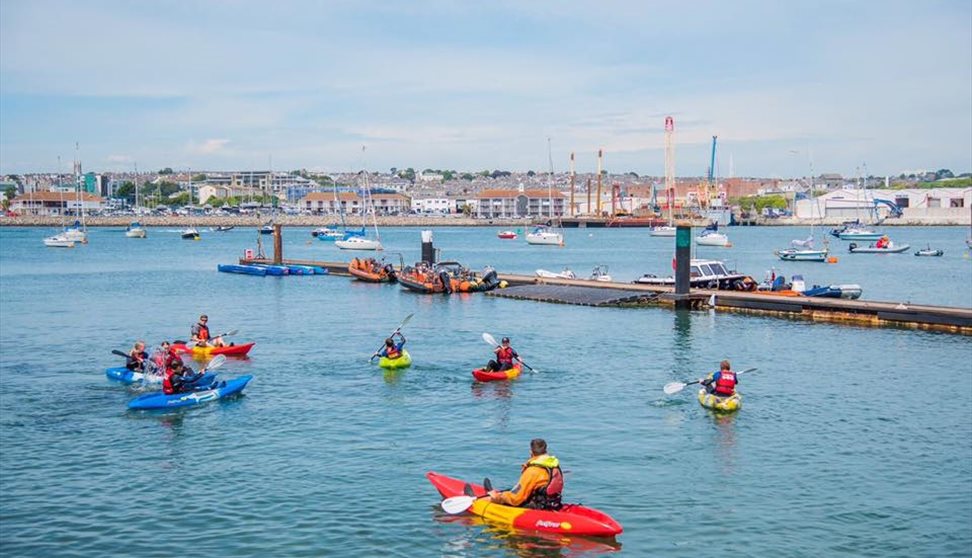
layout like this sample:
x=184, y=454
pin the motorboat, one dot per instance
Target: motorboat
x=777, y=285
x=664, y=230
x=358, y=243
x=327, y=233
x=565, y=274
x=928, y=251
x=802, y=251
x=267, y=229
x=507, y=235
x=447, y=278
x=135, y=230
x=190, y=234
x=542, y=235
x=600, y=273
x=222, y=228
x=706, y=274
x=889, y=248
x=59, y=240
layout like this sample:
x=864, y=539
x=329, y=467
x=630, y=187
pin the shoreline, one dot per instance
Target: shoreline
x=315, y=221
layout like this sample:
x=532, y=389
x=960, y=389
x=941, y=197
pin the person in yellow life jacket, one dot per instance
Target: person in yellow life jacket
x=541, y=482
x=721, y=383
x=202, y=337
x=504, y=357
x=393, y=350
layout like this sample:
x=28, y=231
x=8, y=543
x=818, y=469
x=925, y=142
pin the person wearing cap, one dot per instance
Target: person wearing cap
x=541, y=482
x=504, y=357
x=201, y=336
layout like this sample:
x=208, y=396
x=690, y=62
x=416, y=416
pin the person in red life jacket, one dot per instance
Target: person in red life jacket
x=721, y=383
x=201, y=336
x=541, y=482
x=137, y=357
x=393, y=350
x=174, y=378
x=882, y=242
x=504, y=357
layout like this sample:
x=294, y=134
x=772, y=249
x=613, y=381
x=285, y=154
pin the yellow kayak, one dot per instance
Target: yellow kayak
x=720, y=403
x=403, y=361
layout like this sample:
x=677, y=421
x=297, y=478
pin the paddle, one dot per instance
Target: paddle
x=675, y=387
x=397, y=329
x=459, y=504
x=492, y=341
x=192, y=344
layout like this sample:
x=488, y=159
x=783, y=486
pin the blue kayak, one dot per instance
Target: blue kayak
x=126, y=376
x=159, y=400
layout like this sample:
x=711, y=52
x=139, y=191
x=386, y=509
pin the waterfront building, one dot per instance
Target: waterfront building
x=519, y=203
x=351, y=203
x=55, y=203
x=937, y=205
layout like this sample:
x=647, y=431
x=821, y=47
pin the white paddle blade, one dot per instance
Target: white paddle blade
x=457, y=504
x=216, y=362
x=406, y=320
x=489, y=339
x=230, y=332
x=674, y=387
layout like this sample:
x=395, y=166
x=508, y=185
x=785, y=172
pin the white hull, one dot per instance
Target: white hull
x=545, y=238
x=893, y=249
x=853, y=234
x=565, y=274
x=663, y=231
x=75, y=235
x=135, y=233
x=358, y=243
x=712, y=239
x=794, y=255
x=190, y=234
x=59, y=241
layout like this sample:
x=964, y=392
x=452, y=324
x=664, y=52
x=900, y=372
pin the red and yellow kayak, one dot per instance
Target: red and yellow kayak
x=572, y=519
x=483, y=375
x=230, y=350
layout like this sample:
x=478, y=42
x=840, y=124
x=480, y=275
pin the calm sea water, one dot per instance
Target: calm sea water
x=852, y=441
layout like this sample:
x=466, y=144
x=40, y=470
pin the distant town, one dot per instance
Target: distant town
x=935, y=197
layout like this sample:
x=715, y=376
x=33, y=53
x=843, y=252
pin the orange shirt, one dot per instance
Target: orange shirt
x=531, y=479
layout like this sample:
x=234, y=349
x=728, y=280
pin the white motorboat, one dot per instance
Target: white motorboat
x=600, y=273
x=802, y=255
x=542, y=235
x=859, y=233
x=358, y=243
x=135, y=230
x=889, y=248
x=327, y=233
x=706, y=274
x=565, y=274
x=190, y=234
x=59, y=240
x=712, y=238
x=664, y=230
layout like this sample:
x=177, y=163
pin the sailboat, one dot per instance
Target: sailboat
x=78, y=232
x=803, y=250
x=669, y=229
x=190, y=232
x=61, y=239
x=331, y=235
x=541, y=234
x=856, y=230
x=711, y=236
x=355, y=242
x=135, y=229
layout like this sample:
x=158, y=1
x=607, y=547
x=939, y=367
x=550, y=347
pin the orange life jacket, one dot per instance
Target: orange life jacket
x=505, y=355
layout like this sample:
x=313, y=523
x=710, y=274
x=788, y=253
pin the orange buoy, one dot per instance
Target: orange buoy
x=832, y=260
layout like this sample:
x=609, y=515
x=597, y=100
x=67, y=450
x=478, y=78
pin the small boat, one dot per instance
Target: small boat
x=507, y=235
x=889, y=248
x=228, y=350
x=266, y=229
x=135, y=230
x=570, y=519
x=327, y=233
x=160, y=400
x=858, y=232
x=663, y=231
x=221, y=228
x=242, y=269
x=805, y=255
x=600, y=273
x=371, y=270
x=929, y=252
x=447, y=278
x=484, y=375
x=706, y=274
x=710, y=236
x=846, y=291
x=77, y=233
x=542, y=235
x=565, y=274
x=720, y=402
x=358, y=243
x=404, y=361
x=59, y=241
x=190, y=234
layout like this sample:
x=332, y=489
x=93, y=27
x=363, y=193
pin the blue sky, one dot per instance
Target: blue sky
x=481, y=85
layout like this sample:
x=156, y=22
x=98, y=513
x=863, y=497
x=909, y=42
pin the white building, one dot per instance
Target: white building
x=938, y=205
x=433, y=205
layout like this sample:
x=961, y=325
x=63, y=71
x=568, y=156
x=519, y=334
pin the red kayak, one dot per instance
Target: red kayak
x=571, y=519
x=483, y=375
x=230, y=350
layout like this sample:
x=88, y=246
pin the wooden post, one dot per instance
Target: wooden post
x=277, y=244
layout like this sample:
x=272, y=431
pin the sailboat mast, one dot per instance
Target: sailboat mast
x=136, y=188
x=550, y=182
x=670, y=168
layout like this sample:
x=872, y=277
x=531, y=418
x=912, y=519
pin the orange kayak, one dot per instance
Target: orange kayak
x=230, y=350
x=483, y=375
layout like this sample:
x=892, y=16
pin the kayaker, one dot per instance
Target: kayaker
x=179, y=378
x=541, y=482
x=504, y=357
x=393, y=350
x=164, y=356
x=721, y=383
x=201, y=336
x=137, y=357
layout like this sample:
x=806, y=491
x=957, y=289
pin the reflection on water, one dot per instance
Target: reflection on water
x=527, y=544
x=682, y=332
x=502, y=393
x=725, y=438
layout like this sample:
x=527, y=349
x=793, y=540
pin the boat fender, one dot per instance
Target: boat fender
x=446, y=283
